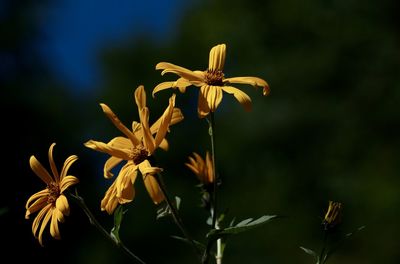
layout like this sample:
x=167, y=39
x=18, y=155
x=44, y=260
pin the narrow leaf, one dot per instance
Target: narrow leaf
x=118, y=215
x=310, y=252
x=242, y=226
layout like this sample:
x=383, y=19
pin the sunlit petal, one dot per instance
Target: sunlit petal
x=54, y=230
x=153, y=188
x=111, y=163
x=254, y=81
x=140, y=97
x=67, y=182
x=165, y=121
x=148, y=140
x=182, y=72
x=242, y=97
x=102, y=147
x=44, y=223
x=115, y=120
x=217, y=57
x=52, y=164
x=202, y=105
x=62, y=204
x=38, y=195
x=39, y=170
x=67, y=164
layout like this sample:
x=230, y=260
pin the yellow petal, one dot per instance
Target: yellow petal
x=177, y=117
x=115, y=120
x=145, y=168
x=52, y=164
x=213, y=94
x=109, y=165
x=120, y=143
x=54, y=230
x=38, y=195
x=36, y=206
x=148, y=140
x=44, y=223
x=125, y=176
x=181, y=84
x=182, y=72
x=165, y=121
x=67, y=182
x=38, y=219
x=62, y=204
x=105, y=148
x=140, y=97
x=242, y=97
x=153, y=188
x=202, y=106
x=164, y=144
x=254, y=81
x=217, y=57
x=39, y=170
x=67, y=164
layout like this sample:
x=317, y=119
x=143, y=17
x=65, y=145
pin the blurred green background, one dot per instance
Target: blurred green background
x=329, y=130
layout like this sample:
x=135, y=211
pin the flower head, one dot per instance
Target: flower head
x=333, y=215
x=50, y=202
x=212, y=82
x=135, y=148
x=203, y=169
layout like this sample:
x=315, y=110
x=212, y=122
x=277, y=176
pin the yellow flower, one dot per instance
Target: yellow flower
x=212, y=82
x=333, y=215
x=135, y=149
x=203, y=169
x=51, y=202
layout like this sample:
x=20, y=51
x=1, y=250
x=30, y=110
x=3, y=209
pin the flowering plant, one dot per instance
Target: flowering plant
x=133, y=153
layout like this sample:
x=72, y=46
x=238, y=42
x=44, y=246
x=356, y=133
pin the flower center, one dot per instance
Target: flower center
x=54, y=192
x=139, y=154
x=214, y=77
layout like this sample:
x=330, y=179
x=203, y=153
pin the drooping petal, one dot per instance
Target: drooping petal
x=164, y=144
x=177, y=117
x=217, y=57
x=181, y=84
x=165, y=121
x=140, y=97
x=110, y=200
x=153, y=188
x=213, y=94
x=52, y=164
x=54, y=230
x=38, y=219
x=148, y=140
x=120, y=143
x=67, y=164
x=36, y=206
x=145, y=168
x=125, y=178
x=182, y=72
x=115, y=120
x=67, y=182
x=128, y=194
x=202, y=105
x=38, y=195
x=39, y=170
x=105, y=148
x=242, y=97
x=43, y=226
x=111, y=163
x=62, y=204
x=254, y=81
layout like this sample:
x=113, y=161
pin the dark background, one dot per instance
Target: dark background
x=328, y=130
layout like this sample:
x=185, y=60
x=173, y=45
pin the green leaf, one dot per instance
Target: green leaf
x=242, y=226
x=118, y=215
x=310, y=252
x=166, y=211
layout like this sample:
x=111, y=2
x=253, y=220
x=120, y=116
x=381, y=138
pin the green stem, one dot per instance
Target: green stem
x=175, y=214
x=321, y=256
x=214, y=200
x=92, y=219
x=211, y=132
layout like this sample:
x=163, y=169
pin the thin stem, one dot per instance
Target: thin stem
x=214, y=200
x=211, y=132
x=321, y=256
x=92, y=219
x=175, y=214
